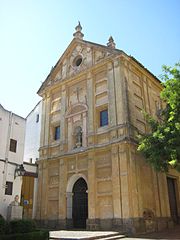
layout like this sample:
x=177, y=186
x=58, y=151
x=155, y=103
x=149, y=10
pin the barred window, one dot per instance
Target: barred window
x=9, y=188
x=13, y=145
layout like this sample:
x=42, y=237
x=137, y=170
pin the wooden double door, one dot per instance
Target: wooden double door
x=80, y=204
x=27, y=192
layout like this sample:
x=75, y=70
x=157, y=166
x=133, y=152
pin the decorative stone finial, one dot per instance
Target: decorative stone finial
x=111, y=42
x=78, y=33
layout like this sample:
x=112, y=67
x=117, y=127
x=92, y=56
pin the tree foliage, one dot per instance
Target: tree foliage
x=161, y=147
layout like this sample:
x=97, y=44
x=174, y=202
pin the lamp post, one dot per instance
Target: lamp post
x=19, y=171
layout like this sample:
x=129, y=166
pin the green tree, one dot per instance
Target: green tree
x=161, y=146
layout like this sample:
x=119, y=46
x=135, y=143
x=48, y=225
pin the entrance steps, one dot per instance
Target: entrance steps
x=83, y=235
x=118, y=236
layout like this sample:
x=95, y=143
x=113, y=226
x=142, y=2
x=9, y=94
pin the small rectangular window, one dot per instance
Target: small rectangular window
x=103, y=118
x=9, y=188
x=13, y=145
x=57, y=133
x=37, y=118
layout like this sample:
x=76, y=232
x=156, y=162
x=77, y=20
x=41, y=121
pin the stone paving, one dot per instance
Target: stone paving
x=173, y=233
x=169, y=234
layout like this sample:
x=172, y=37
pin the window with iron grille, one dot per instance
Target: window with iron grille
x=13, y=145
x=37, y=118
x=9, y=188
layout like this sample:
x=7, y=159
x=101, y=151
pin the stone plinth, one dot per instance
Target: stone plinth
x=14, y=212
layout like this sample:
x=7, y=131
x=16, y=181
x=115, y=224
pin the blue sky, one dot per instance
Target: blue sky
x=35, y=33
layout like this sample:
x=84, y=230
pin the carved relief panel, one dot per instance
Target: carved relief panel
x=99, y=55
x=77, y=93
x=56, y=101
x=80, y=59
x=101, y=90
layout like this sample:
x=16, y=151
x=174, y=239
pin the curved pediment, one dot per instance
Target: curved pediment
x=76, y=109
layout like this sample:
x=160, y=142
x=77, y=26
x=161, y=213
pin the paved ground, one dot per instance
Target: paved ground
x=164, y=235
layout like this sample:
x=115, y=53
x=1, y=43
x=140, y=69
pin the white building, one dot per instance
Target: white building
x=12, y=134
x=32, y=136
x=31, y=154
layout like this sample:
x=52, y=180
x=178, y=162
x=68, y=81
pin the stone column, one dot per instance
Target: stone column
x=90, y=103
x=91, y=191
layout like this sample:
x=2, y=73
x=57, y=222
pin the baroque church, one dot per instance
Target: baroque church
x=90, y=173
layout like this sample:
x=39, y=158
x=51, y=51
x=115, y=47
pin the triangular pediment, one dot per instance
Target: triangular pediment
x=79, y=56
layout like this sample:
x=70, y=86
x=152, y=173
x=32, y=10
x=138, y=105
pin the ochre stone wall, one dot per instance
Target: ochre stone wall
x=124, y=193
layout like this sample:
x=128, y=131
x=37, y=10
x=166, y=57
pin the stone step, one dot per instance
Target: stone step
x=118, y=236
x=85, y=235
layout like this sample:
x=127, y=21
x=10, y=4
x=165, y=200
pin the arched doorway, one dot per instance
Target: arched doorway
x=80, y=203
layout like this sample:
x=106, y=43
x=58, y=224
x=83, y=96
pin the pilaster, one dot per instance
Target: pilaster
x=124, y=182
x=39, y=192
x=91, y=186
x=70, y=133
x=62, y=117
x=133, y=186
x=43, y=121
x=119, y=92
x=62, y=189
x=111, y=96
x=84, y=129
x=163, y=195
x=116, y=182
x=45, y=188
x=90, y=103
x=46, y=125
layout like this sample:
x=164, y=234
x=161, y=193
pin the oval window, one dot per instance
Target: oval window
x=77, y=61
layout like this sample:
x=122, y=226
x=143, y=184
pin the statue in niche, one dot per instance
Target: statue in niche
x=78, y=137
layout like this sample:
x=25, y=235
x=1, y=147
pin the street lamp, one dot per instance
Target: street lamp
x=19, y=171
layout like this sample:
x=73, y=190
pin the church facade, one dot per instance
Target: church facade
x=90, y=173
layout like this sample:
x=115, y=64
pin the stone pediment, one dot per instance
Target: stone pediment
x=79, y=56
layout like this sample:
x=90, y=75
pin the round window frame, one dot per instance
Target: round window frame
x=76, y=59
